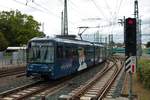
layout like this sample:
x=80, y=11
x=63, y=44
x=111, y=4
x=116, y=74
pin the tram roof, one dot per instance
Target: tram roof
x=63, y=40
x=98, y=44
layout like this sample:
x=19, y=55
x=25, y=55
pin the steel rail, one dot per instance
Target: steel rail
x=79, y=92
x=10, y=72
x=89, y=84
x=108, y=85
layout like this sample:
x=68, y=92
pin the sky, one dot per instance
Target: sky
x=91, y=13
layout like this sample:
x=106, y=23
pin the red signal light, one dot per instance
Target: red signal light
x=130, y=21
x=133, y=68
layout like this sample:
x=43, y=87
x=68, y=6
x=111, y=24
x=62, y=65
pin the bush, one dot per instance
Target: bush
x=148, y=44
x=143, y=72
x=3, y=42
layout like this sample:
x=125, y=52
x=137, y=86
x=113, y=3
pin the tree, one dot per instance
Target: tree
x=3, y=42
x=18, y=28
x=148, y=44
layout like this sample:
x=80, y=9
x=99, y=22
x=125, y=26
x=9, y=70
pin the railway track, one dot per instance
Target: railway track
x=27, y=91
x=20, y=92
x=14, y=71
x=49, y=92
x=43, y=89
x=97, y=87
x=114, y=85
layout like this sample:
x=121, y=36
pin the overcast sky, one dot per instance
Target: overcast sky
x=81, y=13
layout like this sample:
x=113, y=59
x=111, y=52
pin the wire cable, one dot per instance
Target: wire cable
x=28, y=6
x=99, y=9
x=108, y=7
x=38, y=5
x=119, y=6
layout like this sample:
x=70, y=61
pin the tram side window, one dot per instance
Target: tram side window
x=89, y=51
x=75, y=52
x=59, y=52
x=70, y=52
x=101, y=53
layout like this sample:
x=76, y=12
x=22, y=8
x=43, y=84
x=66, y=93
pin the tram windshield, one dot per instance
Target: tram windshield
x=41, y=54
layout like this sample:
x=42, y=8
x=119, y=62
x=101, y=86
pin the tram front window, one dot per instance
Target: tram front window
x=43, y=54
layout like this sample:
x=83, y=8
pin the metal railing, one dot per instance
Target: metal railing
x=16, y=58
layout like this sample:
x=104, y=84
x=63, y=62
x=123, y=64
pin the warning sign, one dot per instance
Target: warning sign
x=130, y=64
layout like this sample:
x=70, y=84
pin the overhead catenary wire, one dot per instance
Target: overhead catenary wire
x=108, y=7
x=116, y=6
x=99, y=9
x=116, y=13
x=29, y=6
x=42, y=10
x=119, y=6
x=45, y=10
x=75, y=6
x=38, y=5
x=41, y=7
x=111, y=22
x=77, y=13
x=27, y=1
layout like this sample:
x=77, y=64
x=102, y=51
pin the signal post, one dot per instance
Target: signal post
x=130, y=50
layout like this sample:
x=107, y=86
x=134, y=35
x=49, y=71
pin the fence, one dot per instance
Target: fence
x=14, y=58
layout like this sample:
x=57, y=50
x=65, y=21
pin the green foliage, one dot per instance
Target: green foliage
x=148, y=44
x=3, y=42
x=143, y=72
x=18, y=28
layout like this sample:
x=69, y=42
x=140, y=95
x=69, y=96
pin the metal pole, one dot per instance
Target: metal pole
x=65, y=18
x=130, y=83
x=130, y=86
x=62, y=23
x=109, y=44
x=106, y=54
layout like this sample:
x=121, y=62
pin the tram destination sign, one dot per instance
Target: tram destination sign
x=41, y=44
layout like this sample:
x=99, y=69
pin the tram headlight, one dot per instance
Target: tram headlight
x=30, y=67
x=44, y=67
x=50, y=70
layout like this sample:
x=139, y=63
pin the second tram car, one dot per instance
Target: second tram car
x=58, y=57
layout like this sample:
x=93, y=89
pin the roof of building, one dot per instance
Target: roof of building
x=16, y=48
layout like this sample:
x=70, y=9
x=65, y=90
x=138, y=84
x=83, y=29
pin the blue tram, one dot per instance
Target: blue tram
x=58, y=57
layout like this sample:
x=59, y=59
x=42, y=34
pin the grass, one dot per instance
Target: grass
x=138, y=87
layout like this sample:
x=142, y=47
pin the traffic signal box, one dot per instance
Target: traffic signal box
x=130, y=37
